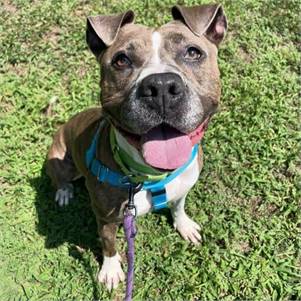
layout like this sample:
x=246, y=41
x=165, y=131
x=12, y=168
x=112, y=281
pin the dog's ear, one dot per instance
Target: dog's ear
x=102, y=30
x=208, y=20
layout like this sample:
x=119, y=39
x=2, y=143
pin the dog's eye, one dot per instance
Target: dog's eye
x=121, y=61
x=193, y=54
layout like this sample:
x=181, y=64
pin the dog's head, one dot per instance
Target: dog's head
x=160, y=84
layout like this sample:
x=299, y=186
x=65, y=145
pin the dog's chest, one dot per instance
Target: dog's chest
x=175, y=190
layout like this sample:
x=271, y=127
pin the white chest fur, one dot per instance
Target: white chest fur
x=175, y=190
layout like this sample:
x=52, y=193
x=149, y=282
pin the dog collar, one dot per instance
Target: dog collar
x=127, y=181
x=130, y=166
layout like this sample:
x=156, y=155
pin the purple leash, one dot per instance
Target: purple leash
x=130, y=232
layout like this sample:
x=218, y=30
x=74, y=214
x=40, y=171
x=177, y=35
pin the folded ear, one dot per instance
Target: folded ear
x=208, y=20
x=102, y=30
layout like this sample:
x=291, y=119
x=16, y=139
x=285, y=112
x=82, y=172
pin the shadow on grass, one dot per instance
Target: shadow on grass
x=74, y=224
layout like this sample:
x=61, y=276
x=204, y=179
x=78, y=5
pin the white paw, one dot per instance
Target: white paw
x=64, y=195
x=111, y=272
x=188, y=229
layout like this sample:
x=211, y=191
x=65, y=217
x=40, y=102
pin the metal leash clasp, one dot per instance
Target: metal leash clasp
x=130, y=207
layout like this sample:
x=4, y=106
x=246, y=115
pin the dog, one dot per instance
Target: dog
x=159, y=88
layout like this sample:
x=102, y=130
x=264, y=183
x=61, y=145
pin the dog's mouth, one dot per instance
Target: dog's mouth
x=164, y=147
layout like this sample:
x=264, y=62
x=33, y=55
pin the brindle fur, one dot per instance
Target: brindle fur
x=66, y=157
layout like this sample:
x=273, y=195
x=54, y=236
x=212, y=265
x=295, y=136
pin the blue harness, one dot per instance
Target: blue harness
x=157, y=189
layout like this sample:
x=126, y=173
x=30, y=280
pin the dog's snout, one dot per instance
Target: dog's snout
x=162, y=90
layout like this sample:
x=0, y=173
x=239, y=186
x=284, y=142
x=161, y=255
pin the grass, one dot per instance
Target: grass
x=248, y=196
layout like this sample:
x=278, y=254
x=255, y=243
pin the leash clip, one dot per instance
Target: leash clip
x=130, y=211
x=130, y=206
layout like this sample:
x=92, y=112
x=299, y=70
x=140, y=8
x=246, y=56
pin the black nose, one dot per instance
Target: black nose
x=162, y=91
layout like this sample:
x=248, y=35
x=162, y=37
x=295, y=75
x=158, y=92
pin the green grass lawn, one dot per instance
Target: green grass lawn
x=248, y=197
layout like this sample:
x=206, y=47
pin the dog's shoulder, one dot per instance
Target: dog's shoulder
x=81, y=123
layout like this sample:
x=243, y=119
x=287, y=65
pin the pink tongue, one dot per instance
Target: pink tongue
x=166, y=148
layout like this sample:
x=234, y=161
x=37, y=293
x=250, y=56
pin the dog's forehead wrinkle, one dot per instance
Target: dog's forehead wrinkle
x=130, y=44
x=133, y=35
x=175, y=37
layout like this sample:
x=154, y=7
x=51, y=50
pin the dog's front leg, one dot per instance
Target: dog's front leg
x=188, y=229
x=111, y=272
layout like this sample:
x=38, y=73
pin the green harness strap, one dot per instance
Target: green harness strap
x=137, y=172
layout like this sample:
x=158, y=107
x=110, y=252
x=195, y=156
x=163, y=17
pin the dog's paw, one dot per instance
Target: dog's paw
x=111, y=272
x=64, y=194
x=188, y=229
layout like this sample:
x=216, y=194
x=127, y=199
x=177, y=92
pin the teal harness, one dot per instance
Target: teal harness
x=106, y=175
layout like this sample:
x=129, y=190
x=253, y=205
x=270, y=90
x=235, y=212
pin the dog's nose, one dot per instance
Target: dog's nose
x=162, y=91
